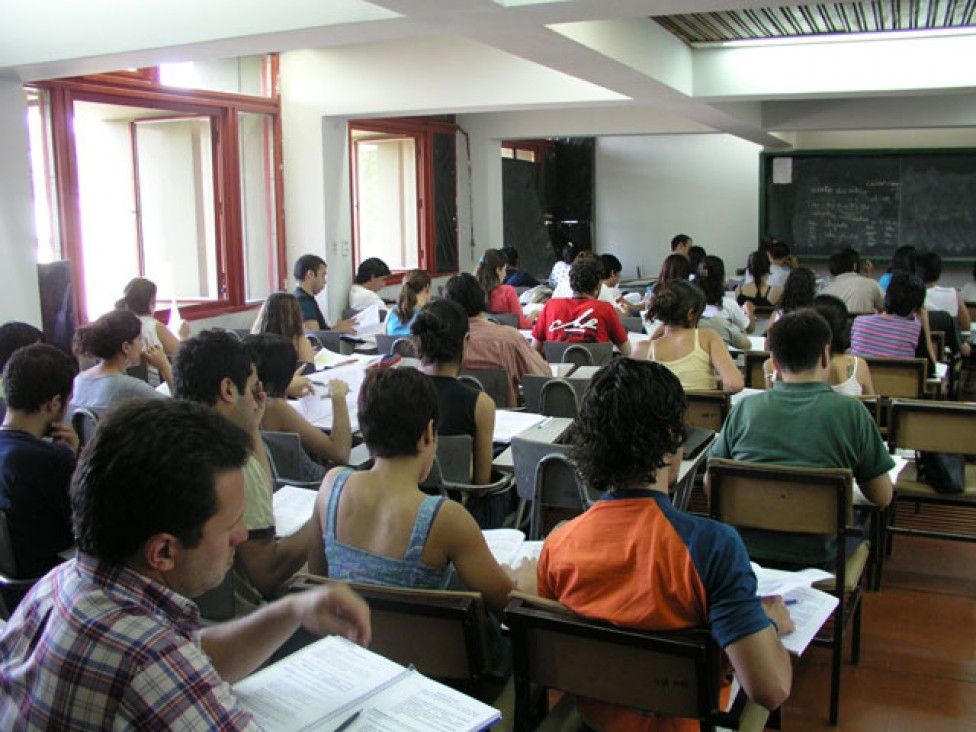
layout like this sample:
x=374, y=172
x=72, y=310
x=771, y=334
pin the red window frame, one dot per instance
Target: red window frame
x=422, y=130
x=141, y=89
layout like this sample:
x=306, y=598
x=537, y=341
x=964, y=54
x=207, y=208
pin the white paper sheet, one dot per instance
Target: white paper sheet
x=292, y=507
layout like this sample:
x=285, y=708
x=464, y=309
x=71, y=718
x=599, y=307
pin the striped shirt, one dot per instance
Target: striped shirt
x=96, y=647
x=885, y=336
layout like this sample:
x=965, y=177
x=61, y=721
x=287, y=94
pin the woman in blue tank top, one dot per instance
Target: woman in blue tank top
x=378, y=527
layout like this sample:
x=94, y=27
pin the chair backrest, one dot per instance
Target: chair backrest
x=454, y=458
x=404, y=347
x=349, y=312
x=632, y=324
x=384, y=343
x=471, y=381
x=237, y=333
x=754, y=376
x=285, y=458
x=315, y=342
x=139, y=371
x=511, y=319
x=329, y=339
x=873, y=403
x=85, y=422
x=673, y=673
x=939, y=344
x=12, y=586
x=532, y=389
x=599, y=353
x=933, y=426
x=494, y=382
x=559, y=494
x=3, y=408
x=707, y=409
x=898, y=377
x=444, y=634
x=526, y=455
x=558, y=399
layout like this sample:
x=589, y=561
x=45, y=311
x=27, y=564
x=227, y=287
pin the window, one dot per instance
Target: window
x=530, y=151
x=181, y=187
x=404, y=184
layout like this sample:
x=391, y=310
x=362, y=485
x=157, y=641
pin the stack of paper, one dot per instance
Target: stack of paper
x=292, y=507
x=509, y=547
x=809, y=608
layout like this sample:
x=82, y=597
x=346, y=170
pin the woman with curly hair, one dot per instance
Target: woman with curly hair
x=635, y=560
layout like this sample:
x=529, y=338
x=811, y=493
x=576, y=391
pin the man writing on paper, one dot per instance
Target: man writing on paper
x=802, y=422
x=637, y=561
x=109, y=640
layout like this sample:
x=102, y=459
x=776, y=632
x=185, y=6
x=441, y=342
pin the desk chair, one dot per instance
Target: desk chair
x=898, y=377
x=673, y=673
x=451, y=471
x=444, y=634
x=494, y=382
x=755, y=378
x=3, y=408
x=387, y=344
x=315, y=342
x=801, y=501
x=526, y=456
x=333, y=341
x=84, y=422
x=558, y=399
x=237, y=333
x=560, y=494
x=504, y=319
x=139, y=371
x=471, y=381
x=600, y=354
x=707, y=409
x=286, y=459
x=12, y=586
x=933, y=426
x=632, y=323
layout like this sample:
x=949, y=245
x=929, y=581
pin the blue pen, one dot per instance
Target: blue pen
x=348, y=722
x=790, y=602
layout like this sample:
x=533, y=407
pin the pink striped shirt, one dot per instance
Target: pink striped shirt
x=885, y=336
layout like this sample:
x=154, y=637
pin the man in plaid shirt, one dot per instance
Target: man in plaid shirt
x=110, y=640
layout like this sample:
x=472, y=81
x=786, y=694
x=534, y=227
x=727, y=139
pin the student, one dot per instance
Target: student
x=697, y=356
x=928, y=267
x=139, y=297
x=370, y=279
x=799, y=291
x=115, y=339
x=490, y=345
x=110, y=639
x=282, y=315
x=902, y=330
x=696, y=255
x=564, y=289
x=35, y=472
x=636, y=561
x=757, y=293
x=440, y=332
x=713, y=286
x=216, y=369
x=801, y=421
x=276, y=365
x=15, y=335
x=560, y=270
x=608, y=286
x=514, y=275
x=499, y=298
x=903, y=260
x=848, y=374
x=713, y=268
x=859, y=293
x=582, y=318
x=779, y=264
x=414, y=294
x=310, y=276
x=969, y=289
x=377, y=526
x=682, y=244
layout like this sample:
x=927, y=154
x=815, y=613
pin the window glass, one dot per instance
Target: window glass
x=242, y=75
x=259, y=226
x=387, y=195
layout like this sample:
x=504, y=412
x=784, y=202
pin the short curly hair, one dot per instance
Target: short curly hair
x=585, y=276
x=632, y=417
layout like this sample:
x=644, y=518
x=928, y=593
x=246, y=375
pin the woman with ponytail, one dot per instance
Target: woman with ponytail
x=499, y=298
x=414, y=294
x=115, y=339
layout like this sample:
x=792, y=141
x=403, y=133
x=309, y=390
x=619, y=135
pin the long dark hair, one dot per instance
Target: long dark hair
x=487, y=271
x=415, y=282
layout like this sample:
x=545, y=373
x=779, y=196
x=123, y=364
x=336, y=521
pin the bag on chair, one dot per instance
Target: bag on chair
x=945, y=473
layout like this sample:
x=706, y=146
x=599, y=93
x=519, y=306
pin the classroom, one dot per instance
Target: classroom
x=678, y=132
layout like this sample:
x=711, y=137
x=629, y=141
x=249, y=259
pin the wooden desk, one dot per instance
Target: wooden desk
x=681, y=491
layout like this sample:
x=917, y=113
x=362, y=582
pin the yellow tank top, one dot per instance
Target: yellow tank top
x=694, y=371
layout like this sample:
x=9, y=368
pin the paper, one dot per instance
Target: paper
x=353, y=371
x=736, y=398
x=323, y=684
x=175, y=319
x=560, y=369
x=757, y=343
x=368, y=322
x=509, y=547
x=809, y=610
x=780, y=581
x=292, y=507
x=585, y=372
x=508, y=424
x=782, y=170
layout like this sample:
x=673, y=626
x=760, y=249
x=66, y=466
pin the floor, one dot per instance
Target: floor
x=918, y=656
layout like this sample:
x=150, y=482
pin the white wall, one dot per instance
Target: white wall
x=649, y=188
x=19, y=297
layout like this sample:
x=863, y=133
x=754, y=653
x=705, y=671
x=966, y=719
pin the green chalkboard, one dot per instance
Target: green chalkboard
x=874, y=201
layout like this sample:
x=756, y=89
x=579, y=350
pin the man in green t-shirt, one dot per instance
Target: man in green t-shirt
x=802, y=422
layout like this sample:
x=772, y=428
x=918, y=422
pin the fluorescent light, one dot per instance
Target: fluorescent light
x=902, y=35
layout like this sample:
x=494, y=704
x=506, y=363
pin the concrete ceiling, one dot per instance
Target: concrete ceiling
x=589, y=53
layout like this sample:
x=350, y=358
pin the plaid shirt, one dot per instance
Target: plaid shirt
x=97, y=647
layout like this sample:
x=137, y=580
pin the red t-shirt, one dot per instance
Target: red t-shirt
x=579, y=320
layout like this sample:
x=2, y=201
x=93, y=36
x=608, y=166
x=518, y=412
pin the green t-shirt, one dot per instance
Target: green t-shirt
x=803, y=425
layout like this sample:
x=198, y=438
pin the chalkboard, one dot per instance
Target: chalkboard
x=820, y=202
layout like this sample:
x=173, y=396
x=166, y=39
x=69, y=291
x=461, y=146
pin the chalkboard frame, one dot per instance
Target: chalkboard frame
x=765, y=170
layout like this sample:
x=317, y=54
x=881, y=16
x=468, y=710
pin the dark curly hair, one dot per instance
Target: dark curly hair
x=585, y=275
x=631, y=418
x=799, y=290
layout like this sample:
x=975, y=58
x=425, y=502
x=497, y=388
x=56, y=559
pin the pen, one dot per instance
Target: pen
x=790, y=602
x=348, y=722
x=543, y=423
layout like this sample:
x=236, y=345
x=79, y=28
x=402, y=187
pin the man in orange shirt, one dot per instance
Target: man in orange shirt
x=635, y=560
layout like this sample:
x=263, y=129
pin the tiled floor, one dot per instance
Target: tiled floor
x=918, y=655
